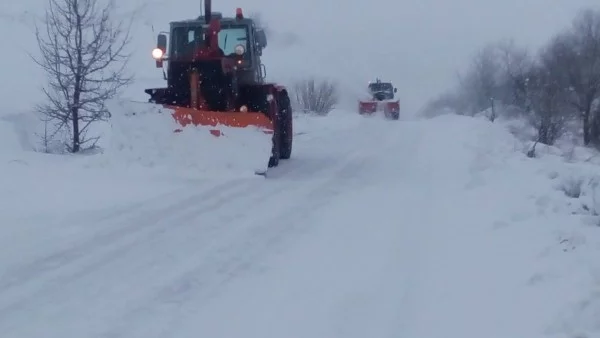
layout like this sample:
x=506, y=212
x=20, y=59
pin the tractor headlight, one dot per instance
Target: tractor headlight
x=240, y=49
x=157, y=53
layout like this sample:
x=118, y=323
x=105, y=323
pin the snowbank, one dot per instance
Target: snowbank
x=35, y=183
x=546, y=231
x=142, y=157
x=9, y=138
x=142, y=136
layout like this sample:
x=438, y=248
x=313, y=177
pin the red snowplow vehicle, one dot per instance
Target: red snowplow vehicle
x=382, y=100
x=216, y=80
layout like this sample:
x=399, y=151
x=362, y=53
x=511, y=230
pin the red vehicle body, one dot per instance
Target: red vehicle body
x=382, y=100
x=215, y=82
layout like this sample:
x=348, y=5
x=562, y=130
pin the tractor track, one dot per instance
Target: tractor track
x=127, y=228
x=184, y=246
x=232, y=256
x=48, y=275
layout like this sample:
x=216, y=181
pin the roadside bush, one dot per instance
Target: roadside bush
x=316, y=96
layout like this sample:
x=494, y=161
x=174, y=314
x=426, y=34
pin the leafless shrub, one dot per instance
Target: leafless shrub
x=548, y=96
x=313, y=96
x=572, y=187
x=531, y=152
x=83, y=55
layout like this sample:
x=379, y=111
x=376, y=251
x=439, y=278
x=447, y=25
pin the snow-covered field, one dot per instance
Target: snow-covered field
x=424, y=228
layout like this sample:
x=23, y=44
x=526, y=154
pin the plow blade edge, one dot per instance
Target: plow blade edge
x=214, y=119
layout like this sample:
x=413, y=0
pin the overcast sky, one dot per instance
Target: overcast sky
x=417, y=44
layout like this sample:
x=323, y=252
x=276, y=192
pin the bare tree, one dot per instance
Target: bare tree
x=557, y=90
x=547, y=95
x=315, y=97
x=550, y=91
x=516, y=65
x=83, y=54
x=579, y=50
x=482, y=81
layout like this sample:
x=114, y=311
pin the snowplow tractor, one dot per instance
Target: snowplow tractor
x=381, y=100
x=216, y=81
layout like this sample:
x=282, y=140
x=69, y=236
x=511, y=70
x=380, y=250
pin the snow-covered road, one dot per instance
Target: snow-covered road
x=149, y=268
x=369, y=231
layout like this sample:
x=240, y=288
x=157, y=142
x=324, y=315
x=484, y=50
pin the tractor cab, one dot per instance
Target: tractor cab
x=236, y=41
x=382, y=90
x=215, y=79
x=221, y=54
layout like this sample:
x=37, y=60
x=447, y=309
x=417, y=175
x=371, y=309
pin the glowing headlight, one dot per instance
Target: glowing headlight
x=239, y=49
x=157, y=53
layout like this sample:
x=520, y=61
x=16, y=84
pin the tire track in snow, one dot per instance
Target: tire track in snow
x=233, y=257
x=314, y=158
x=234, y=239
x=124, y=232
x=51, y=286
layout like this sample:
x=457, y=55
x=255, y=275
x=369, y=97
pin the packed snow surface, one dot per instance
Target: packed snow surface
x=432, y=229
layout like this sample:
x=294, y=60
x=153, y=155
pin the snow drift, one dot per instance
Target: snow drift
x=142, y=134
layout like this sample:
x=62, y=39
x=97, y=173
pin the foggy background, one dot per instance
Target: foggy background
x=419, y=45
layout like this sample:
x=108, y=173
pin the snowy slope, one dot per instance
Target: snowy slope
x=402, y=225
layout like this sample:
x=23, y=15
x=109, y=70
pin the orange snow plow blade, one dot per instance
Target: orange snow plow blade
x=186, y=116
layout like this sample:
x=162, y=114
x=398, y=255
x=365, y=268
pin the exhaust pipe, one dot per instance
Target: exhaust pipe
x=207, y=11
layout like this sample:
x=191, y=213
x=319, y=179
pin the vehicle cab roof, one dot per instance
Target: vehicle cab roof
x=215, y=15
